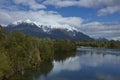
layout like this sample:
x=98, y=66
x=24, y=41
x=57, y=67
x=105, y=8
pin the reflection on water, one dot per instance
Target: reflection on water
x=44, y=69
x=86, y=64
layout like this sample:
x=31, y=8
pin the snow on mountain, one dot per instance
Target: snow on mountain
x=38, y=29
x=20, y=22
x=16, y=22
x=45, y=27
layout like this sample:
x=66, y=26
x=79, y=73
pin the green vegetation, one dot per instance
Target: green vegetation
x=19, y=52
x=101, y=44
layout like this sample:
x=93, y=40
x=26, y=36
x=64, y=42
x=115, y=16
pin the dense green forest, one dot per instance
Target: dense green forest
x=19, y=52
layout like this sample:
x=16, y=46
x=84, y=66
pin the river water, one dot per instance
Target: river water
x=85, y=64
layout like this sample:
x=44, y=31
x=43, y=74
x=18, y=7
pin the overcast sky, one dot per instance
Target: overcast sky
x=96, y=18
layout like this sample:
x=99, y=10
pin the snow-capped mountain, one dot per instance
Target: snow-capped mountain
x=40, y=30
x=43, y=26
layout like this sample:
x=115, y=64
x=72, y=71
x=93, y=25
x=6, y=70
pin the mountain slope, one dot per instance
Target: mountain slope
x=33, y=29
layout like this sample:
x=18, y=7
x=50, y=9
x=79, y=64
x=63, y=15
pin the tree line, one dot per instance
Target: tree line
x=112, y=44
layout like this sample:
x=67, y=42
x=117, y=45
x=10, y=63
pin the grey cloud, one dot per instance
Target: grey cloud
x=5, y=18
x=60, y=3
x=31, y=3
x=108, y=10
x=97, y=29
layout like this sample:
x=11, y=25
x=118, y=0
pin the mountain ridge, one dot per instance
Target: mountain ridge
x=36, y=29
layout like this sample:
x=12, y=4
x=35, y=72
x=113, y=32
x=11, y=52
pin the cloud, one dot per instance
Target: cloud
x=108, y=10
x=31, y=3
x=5, y=18
x=67, y=3
x=83, y=3
x=60, y=3
x=104, y=6
x=20, y=4
x=98, y=29
x=43, y=17
x=90, y=3
x=105, y=76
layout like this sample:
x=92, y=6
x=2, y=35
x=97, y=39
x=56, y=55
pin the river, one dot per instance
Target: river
x=85, y=64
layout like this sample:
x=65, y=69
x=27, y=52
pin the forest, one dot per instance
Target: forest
x=19, y=51
x=111, y=44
